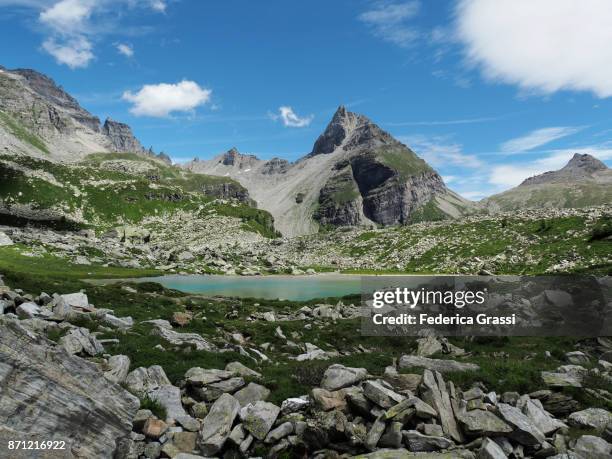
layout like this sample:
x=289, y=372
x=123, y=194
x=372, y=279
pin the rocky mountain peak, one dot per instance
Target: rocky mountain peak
x=580, y=168
x=234, y=158
x=121, y=137
x=47, y=88
x=349, y=130
x=584, y=163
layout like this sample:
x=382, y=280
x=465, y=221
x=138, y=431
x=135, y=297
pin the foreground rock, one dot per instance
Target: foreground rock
x=443, y=366
x=66, y=397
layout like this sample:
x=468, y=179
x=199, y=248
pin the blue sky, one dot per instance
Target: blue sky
x=488, y=95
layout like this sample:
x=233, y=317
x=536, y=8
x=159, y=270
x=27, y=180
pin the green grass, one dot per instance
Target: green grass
x=125, y=198
x=404, y=161
x=22, y=133
x=50, y=273
x=429, y=212
x=154, y=406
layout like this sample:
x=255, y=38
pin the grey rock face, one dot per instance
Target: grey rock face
x=338, y=376
x=482, y=422
x=381, y=393
x=443, y=366
x=5, y=240
x=418, y=442
x=121, y=137
x=596, y=418
x=525, y=431
x=591, y=447
x=142, y=380
x=67, y=397
x=119, y=366
x=217, y=424
x=79, y=341
x=348, y=129
x=435, y=393
x=184, y=339
x=258, y=418
x=252, y=393
x=491, y=450
x=170, y=398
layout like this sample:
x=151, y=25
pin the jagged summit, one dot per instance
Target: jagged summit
x=121, y=136
x=581, y=167
x=585, y=163
x=233, y=157
x=349, y=130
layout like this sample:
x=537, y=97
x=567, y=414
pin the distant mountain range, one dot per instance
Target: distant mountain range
x=584, y=181
x=355, y=175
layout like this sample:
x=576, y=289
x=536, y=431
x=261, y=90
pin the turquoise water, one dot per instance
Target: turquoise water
x=297, y=288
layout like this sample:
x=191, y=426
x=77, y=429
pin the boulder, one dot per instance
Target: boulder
x=184, y=339
x=591, y=447
x=77, y=300
x=217, y=425
x=199, y=377
x=242, y=370
x=595, y=418
x=440, y=365
x=252, y=393
x=481, y=423
x=45, y=392
x=577, y=358
x=418, y=442
x=118, y=368
x=142, y=380
x=547, y=424
x=326, y=400
x=30, y=310
x=294, y=404
x=338, y=376
x=435, y=394
x=154, y=428
x=123, y=323
x=525, y=431
x=80, y=341
x=169, y=397
x=258, y=418
x=282, y=431
x=379, y=392
x=5, y=240
x=555, y=379
x=490, y=450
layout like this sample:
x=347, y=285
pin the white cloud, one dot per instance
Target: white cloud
x=72, y=27
x=125, y=49
x=158, y=5
x=67, y=16
x=160, y=100
x=290, y=118
x=439, y=152
x=510, y=175
x=543, y=45
x=389, y=21
x=537, y=138
x=74, y=52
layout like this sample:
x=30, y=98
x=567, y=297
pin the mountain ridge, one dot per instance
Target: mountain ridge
x=584, y=181
x=39, y=118
x=355, y=175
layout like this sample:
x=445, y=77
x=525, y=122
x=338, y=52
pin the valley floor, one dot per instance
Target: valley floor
x=200, y=350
